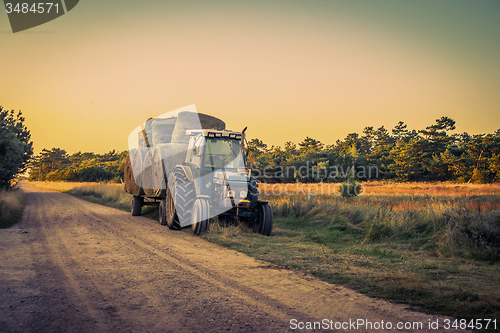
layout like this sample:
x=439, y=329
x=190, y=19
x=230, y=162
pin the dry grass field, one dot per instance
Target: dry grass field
x=66, y=186
x=447, y=189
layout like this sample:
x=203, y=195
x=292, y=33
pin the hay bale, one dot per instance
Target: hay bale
x=147, y=173
x=128, y=176
x=162, y=130
x=209, y=122
x=165, y=158
x=141, y=138
x=133, y=171
x=159, y=178
x=193, y=121
x=148, y=130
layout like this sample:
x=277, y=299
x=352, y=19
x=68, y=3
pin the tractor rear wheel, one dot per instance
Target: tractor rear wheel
x=136, y=205
x=200, y=216
x=184, y=194
x=264, y=222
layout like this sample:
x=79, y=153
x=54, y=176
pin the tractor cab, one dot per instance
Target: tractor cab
x=218, y=165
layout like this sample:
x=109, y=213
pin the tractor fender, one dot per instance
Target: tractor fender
x=187, y=171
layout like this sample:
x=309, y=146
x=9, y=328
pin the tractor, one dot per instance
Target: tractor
x=207, y=178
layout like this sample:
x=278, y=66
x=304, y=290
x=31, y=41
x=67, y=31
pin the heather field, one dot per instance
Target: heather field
x=379, y=188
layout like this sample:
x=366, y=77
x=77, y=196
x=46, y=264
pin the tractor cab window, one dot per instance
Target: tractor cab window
x=198, y=145
x=223, y=153
x=194, y=153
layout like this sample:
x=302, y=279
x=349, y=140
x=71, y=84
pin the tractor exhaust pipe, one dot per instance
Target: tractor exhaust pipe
x=243, y=140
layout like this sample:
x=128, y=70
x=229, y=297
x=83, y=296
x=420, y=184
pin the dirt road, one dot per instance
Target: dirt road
x=74, y=266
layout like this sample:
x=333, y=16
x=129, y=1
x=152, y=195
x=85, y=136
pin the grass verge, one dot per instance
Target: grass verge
x=111, y=195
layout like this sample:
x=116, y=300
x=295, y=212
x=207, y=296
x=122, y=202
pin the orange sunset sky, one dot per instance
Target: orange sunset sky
x=286, y=69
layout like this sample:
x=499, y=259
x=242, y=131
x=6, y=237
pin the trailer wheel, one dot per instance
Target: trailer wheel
x=162, y=211
x=200, y=216
x=136, y=205
x=264, y=222
x=184, y=195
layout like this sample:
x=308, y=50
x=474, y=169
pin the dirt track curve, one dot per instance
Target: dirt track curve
x=75, y=266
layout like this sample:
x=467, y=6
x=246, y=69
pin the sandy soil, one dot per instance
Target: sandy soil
x=75, y=266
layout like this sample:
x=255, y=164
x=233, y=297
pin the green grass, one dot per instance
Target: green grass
x=438, y=259
x=437, y=254
x=392, y=270
x=11, y=207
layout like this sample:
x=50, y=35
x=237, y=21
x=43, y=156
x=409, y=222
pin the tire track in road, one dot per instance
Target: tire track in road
x=59, y=233
x=93, y=296
x=59, y=291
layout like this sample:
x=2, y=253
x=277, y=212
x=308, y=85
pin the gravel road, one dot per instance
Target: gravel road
x=75, y=266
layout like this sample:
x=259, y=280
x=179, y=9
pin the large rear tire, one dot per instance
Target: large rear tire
x=136, y=205
x=264, y=222
x=200, y=216
x=184, y=195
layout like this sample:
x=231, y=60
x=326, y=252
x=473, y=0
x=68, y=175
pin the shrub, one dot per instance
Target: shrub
x=11, y=207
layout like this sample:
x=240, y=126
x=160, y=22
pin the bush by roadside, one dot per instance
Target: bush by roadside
x=11, y=207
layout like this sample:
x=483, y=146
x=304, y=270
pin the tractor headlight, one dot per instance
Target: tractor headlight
x=243, y=194
x=231, y=193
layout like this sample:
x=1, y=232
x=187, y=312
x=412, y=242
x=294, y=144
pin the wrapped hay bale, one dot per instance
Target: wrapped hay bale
x=193, y=121
x=162, y=130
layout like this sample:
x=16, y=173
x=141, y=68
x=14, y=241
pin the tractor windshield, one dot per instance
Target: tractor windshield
x=223, y=153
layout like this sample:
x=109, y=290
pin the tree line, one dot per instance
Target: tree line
x=57, y=165
x=400, y=154
x=430, y=154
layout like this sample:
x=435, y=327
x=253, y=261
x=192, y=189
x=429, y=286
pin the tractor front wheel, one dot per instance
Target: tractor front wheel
x=264, y=222
x=200, y=216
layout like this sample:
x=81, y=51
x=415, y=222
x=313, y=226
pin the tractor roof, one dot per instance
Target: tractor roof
x=211, y=133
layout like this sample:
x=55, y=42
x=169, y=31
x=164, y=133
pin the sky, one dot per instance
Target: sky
x=284, y=69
